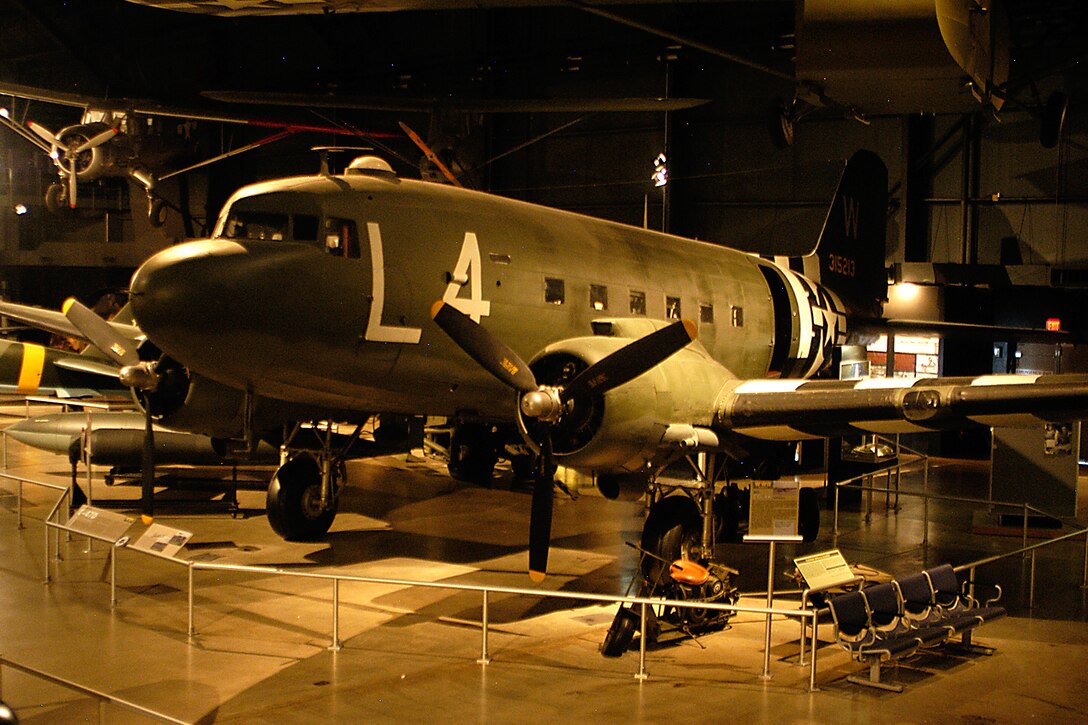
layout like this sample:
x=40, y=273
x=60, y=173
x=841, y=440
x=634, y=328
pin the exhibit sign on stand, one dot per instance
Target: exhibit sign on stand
x=772, y=518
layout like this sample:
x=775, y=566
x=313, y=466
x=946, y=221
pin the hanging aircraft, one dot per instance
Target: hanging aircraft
x=133, y=139
x=855, y=59
x=366, y=293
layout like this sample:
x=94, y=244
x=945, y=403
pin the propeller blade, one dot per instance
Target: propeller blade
x=118, y=348
x=46, y=135
x=96, y=140
x=630, y=361
x=483, y=347
x=540, y=515
x=147, y=469
x=430, y=154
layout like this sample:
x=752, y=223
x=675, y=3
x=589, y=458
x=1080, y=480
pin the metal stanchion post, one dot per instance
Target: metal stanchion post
x=1025, y=539
x=835, y=526
x=869, y=480
x=812, y=665
x=113, y=576
x=925, y=504
x=335, y=646
x=1084, y=580
x=19, y=505
x=641, y=674
x=1031, y=588
x=770, y=605
x=191, y=631
x=47, y=534
x=485, y=656
x=87, y=452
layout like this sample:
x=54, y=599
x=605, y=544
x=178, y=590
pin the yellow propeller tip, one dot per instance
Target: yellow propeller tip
x=536, y=576
x=147, y=520
x=691, y=329
x=67, y=305
x=436, y=307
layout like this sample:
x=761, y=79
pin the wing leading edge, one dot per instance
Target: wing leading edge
x=798, y=409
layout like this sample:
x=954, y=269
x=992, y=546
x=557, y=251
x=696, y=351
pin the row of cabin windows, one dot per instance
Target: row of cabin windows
x=339, y=237
x=555, y=294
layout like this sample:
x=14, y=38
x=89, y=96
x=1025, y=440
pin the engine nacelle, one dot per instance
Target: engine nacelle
x=93, y=163
x=622, y=431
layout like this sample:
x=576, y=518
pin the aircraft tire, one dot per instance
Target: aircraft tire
x=55, y=198
x=472, y=454
x=672, y=529
x=620, y=634
x=293, y=505
x=156, y=212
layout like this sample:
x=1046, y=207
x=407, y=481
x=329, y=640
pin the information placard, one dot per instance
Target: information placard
x=160, y=539
x=825, y=569
x=772, y=509
x=99, y=523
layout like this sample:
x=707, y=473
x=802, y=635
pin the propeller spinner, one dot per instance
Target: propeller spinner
x=548, y=404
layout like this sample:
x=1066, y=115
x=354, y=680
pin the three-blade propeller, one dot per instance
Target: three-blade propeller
x=548, y=404
x=71, y=153
x=139, y=376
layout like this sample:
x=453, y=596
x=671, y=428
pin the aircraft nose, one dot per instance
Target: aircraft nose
x=182, y=289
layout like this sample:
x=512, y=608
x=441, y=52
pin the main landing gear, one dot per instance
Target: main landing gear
x=687, y=517
x=304, y=494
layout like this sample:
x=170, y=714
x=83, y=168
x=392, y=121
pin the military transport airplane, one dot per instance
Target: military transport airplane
x=365, y=293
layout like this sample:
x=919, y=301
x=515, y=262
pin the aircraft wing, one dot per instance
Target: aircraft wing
x=793, y=409
x=55, y=322
x=32, y=93
x=154, y=108
x=428, y=105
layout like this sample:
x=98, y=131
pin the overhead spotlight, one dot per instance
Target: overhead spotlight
x=661, y=171
x=22, y=209
x=4, y=113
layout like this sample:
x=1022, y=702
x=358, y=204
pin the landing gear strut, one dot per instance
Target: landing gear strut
x=687, y=517
x=304, y=494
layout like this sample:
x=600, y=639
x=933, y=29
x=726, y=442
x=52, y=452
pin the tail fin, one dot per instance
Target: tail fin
x=851, y=246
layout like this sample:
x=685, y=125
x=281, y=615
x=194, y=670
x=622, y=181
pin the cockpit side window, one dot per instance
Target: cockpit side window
x=341, y=238
x=261, y=225
x=304, y=228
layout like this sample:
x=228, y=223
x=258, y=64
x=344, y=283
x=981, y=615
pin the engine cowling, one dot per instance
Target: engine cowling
x=91, y=163
x=622, y=431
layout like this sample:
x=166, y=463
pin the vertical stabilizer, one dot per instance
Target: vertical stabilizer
x=851, y=246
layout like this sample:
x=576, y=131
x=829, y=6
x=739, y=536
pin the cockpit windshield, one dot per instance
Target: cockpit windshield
x=263, y=225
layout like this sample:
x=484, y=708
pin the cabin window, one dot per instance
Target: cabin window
x=341, y=238
x=555, y=292
x=672, y=308
x=598, y=297
x=638, y=303
x=305, y=228
x=706, y=313
x=259, y=225
x=738, y=316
